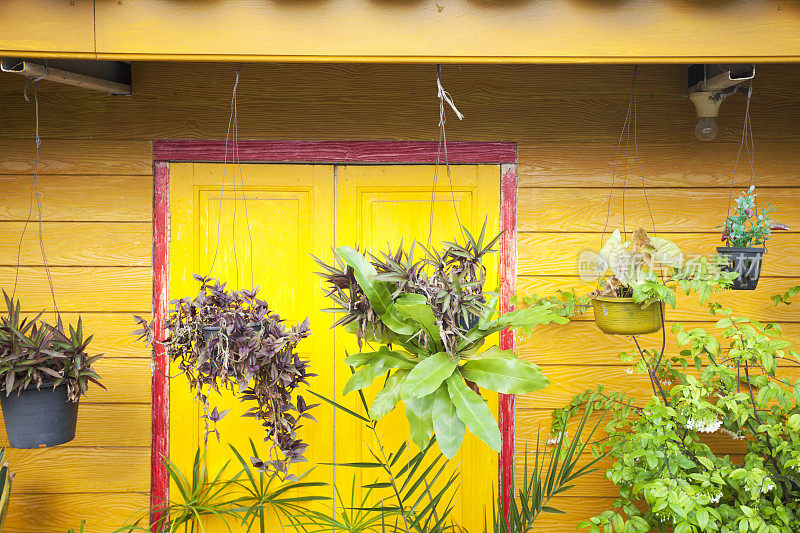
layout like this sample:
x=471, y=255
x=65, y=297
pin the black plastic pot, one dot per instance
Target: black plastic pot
x=210, y=331
x=744, y=261
x=39, y=417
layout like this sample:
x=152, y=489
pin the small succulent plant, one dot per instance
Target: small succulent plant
x=33, y=353
x=224, y=339
x=748, y=228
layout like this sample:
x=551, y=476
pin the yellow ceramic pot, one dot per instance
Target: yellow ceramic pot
x=623, y=316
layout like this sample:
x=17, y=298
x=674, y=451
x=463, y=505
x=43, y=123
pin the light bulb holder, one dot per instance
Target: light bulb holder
x=707, y=103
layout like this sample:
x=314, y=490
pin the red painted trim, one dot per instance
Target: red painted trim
x=508, y=287
x=338, y=151
x=159, y=436
x=333, y=152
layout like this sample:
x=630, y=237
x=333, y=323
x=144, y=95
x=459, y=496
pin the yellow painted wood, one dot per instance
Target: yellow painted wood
x=581, y=343
x=360, y=30
x=100, y=198
x=111, y=333
x=674, y=210
x=78, y=158
x=382, y=206
x=190, y=101
x=108, y=289
x=57, y=513
x=558, y=253
x=88, y=469
x=42, y=25
x=130, y=423
x=78, y=244
x=290, y=213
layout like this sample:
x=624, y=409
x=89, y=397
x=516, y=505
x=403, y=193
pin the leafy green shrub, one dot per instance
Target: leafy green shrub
x=667, y=476
x=746, y=228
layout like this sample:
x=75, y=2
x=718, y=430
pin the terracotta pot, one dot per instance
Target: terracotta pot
x=744, y=261
x=623, y=316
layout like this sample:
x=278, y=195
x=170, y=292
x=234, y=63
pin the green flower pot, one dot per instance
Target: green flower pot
x=623, y=316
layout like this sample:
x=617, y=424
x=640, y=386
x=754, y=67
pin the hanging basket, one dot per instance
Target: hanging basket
x=38, y=418
x=744, y=261
x=623, y=316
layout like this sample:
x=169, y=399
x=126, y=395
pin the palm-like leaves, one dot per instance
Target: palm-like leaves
x=541, y=485
x=264, y=493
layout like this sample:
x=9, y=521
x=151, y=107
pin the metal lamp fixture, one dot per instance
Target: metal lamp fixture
x=709, y=85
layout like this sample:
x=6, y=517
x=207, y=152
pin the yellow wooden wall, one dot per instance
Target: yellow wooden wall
x=96, y=188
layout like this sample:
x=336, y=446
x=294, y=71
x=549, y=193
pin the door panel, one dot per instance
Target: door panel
x=377, y=205
x=283, y=214
x=291, y=214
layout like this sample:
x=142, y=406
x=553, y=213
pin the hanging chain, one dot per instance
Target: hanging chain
x=35, y=194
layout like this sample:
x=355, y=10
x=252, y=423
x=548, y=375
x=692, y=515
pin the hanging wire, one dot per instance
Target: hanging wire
x=638, y=159
x=443, y=96
x=232, y=134
x=745, y=127
x=35, y=194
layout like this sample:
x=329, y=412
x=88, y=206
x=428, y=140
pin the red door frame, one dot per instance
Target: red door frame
x=321, y=152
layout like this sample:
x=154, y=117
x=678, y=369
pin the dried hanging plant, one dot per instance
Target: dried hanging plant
x=223, y=339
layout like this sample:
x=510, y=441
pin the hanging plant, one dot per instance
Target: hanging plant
x=641, y=278
x=743, y=232
x=431, y=318
x=224, y=339
x=43, y=373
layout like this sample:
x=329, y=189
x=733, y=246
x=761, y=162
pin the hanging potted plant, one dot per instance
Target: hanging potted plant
x=43, y=373
x=430, y=318
x=224, y=339
x=641, y=277
x=743, y=232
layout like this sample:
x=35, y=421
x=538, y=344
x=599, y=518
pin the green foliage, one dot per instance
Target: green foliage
x=649, y=269
x=667, y=476
x=198, y=498
x=432, y=318
x=412, y=492
x=33, y=352
x=785, y=298
x=541, y=484
x=5, y=487
x=746, y=227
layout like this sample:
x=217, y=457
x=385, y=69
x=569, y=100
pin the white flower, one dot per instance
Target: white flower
x=715, y=499
x=731, y=434
x=703, y=426
x=629, y=370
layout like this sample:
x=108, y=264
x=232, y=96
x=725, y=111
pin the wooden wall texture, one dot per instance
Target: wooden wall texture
x=96, y=188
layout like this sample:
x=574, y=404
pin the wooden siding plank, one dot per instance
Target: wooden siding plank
x=107, y=425
x=190, y=101
x=103, y=512
x=126, y=380
x=678, y=162
x=751, y=304
x=72, y=198
x=59, y=27
x=360, y=29
x=557, y=253
x=77, y=244
x=77, y=157
x=111, y=331
x=580, y=343
x=88, y=469
x=674, y=210
x=81, y=289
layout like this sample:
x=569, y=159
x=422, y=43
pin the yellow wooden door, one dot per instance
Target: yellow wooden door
x=289, y=210
x=291, y=214
x=384, y=205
